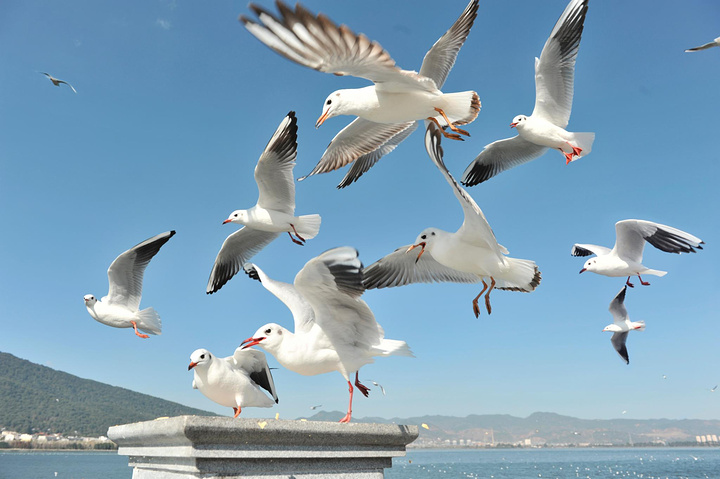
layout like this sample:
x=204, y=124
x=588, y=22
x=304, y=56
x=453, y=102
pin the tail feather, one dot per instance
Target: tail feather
x=392, y=347
x=642, y=325
x=654, y=272
x=149, y=321
x=308, y=225
x=461, y=108
x=522, y=275
x=584, y=141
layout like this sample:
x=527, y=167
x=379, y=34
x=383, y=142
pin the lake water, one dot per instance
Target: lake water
x=638, y=463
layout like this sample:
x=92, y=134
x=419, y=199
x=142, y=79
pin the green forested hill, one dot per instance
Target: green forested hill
x=39, y=397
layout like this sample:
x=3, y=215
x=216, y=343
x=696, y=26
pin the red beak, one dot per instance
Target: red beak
x=582, y=270
x=513, y=125
x=322, y=118
x=192, y=365
x=227, y=221
x=422, y=250
x=249, y=342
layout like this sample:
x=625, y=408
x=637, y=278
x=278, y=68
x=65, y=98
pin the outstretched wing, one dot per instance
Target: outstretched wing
x=617, y=306
x=125, y=274
x=588, y=249
x=254, y=362
x=274, y=170
x=499, y=156
x=618, y=341
x=555, y=69
x=632, y=234
x=317, y=42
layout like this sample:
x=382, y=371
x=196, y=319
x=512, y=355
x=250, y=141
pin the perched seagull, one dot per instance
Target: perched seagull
x=57, y=82
x=119, y=308
x=621, y=325
x=274, y=212
x=545, y=128
x=626, y=256
x=714, y=43
x=334, y=329
x=388, y=110
x=470, y=255
x=234, y=381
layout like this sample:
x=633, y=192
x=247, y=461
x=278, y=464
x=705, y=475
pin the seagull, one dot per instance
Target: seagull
x=470, y=255
x=714, y=43
x=712, y=390
x=626, y=256
x=335, y=330
x=57, y=81
x=545, y=127
x=387, y=111
x=621, y=325
x=119, y=308
x=274, y=212
x=235, y=381
x=315, y=407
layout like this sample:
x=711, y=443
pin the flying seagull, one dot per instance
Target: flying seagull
x=625, y=259
x=120, y=308
x=236, y=381
x=621, y=325
x=470, y=255
x=714, y=43
x=335, y=330
x=57, y=81
x=545, y=127
x=388, y=110
x=274, y=212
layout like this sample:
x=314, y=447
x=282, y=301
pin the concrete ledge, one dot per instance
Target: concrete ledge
x=222, y=447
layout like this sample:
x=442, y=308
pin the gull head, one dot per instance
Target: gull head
x=613, y=328
x=268, y=337
x=425, y=240
x=520, y=119
x=200, y=357
x=89, y=300
x=335, y=104
x=237, y=216
x=590, y=265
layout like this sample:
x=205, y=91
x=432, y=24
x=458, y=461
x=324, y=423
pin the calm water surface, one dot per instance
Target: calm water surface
x=651, y=463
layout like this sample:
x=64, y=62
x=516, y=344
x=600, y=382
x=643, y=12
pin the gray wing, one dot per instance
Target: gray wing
x=617, y=306
x=236, y=250
x=400, y=268
x=125, y=274
x=301, y=310
x=367, y=161
x=475, y=228
x=274, y=170
x=632, y=234
x=714, y=43
x=360, y=139
x=618, y=341
x=555, y=69
x=440, y=59
x=499, y=156
x=317, y=42
x=588, y=249
x=255, y=363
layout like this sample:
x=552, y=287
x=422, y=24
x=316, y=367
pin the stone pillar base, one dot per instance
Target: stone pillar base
x=222, y=447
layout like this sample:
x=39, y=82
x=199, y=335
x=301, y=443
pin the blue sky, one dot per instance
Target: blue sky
x=175, y=103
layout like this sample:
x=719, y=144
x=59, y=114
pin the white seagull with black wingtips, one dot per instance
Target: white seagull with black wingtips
x=274, y=212
x=120, y=308
x=625, y=258
x=236, y=381
x=335, y=330
x=714, y=43
x=388, y=110
x=621, y=325
x=545, y=128
x=470, y=255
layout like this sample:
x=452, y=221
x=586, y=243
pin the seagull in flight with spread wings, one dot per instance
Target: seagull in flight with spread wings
x=388, y=110
x=621, y=325
x=57, y=82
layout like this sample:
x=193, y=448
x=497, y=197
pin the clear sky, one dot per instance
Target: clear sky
x=175, y=102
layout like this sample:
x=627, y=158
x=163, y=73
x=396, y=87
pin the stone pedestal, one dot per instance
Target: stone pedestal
x=222, y=447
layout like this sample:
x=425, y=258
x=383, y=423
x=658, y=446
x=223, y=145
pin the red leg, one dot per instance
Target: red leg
x=138, y=333
x=452, y=127
x=348, y=416
x=629, y=283
x=363, y=389
x=294, y=240
x=487, y=295
x=452, y=136
x=237, y=411
x=476, y=308
x=296, y=233
x=644, y=283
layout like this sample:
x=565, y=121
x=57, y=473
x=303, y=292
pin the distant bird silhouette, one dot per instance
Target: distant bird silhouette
x=315, y=407
x=57, y=81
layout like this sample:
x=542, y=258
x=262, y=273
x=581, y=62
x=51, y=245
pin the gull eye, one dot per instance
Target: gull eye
x=202, y=356
x=423, y=237
x=268, y=331
x=328, y=102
